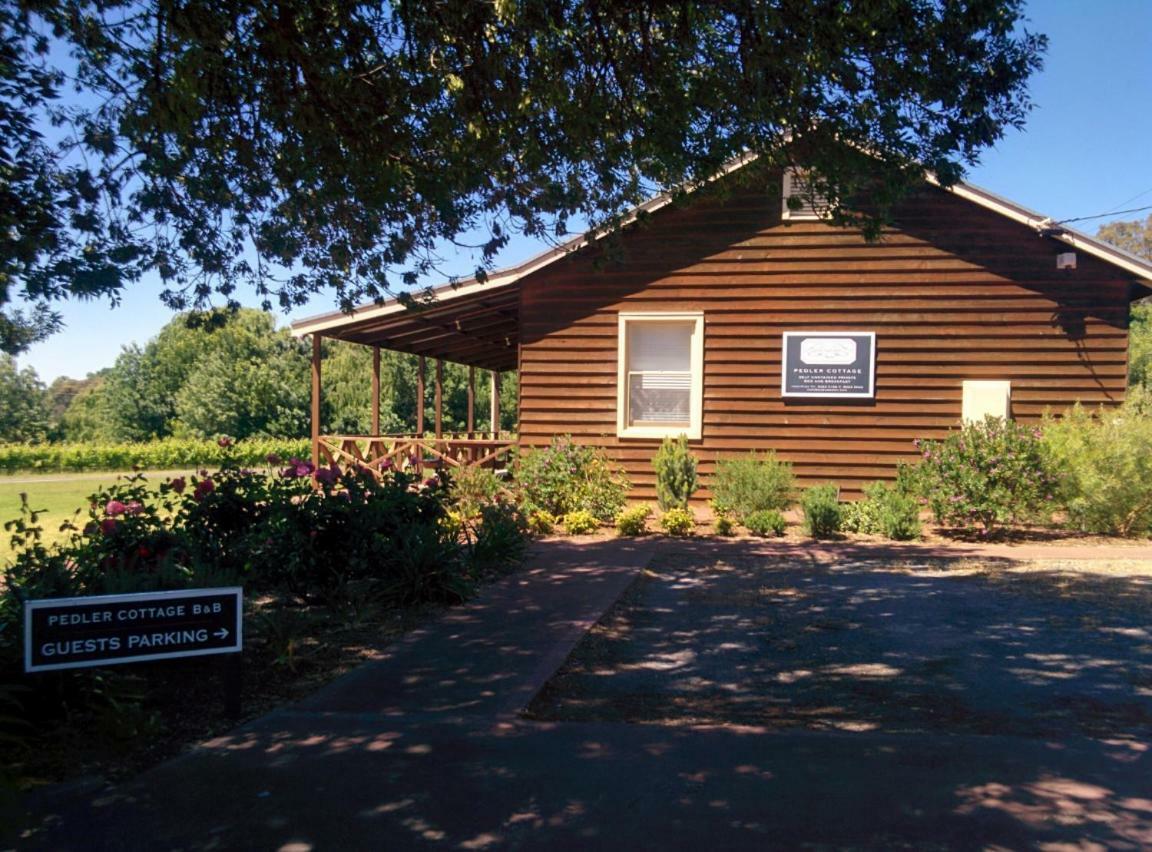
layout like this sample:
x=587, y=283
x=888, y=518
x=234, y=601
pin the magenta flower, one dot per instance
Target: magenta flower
x=274, y=459
x=114, y=508
x=108, y=526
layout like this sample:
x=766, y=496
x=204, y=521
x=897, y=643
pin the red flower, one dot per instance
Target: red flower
x=144, y=551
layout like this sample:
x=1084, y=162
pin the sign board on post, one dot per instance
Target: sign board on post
x=105, y=630
x=829, y=364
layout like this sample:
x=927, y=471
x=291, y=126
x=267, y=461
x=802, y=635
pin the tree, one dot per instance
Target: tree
x=23, y=409
x=247, y=378
x=89, y=416
x=1134, y=237
x=295, y=147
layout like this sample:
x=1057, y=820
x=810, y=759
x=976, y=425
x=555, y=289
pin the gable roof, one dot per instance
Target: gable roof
x=491, y=307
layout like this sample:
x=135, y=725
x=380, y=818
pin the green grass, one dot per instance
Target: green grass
x=58, y=496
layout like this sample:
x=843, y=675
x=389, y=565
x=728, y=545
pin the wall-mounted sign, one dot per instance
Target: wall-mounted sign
x=104, y=630
x=839, y=364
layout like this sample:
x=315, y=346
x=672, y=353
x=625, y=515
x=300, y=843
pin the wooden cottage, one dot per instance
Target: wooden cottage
x=746, y=325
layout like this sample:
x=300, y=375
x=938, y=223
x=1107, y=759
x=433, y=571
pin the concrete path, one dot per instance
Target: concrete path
x=425, y=749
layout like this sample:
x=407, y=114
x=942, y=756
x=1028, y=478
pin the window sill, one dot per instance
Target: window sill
x=659, y=432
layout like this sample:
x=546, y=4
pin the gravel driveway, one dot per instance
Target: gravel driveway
x=867, y=647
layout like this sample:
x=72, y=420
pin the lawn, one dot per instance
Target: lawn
x=58, y=496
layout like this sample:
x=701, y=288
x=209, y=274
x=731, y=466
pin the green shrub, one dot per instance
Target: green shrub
x=724, y=525
x=497, y=538
x=885, y=510
x=580, y=522
x=821, y=506
x=541, y=522
x=1103, y=465
x=565, y=477
x=675, y=467
x=985, y=475
x=899, y=511
x=765, y=523
x=752, y=483
x=860, y=516
x=678, y=522
x=633, y=521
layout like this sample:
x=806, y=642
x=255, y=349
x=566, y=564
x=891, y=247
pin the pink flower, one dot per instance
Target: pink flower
x=114, y=508
x=178, y=484
x=108, y=526
x=134, y=507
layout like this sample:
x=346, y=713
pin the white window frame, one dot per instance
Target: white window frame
x=694, y=428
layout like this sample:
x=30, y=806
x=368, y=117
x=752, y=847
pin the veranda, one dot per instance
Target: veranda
x=474, y=325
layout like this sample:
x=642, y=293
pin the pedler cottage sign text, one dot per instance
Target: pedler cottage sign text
x=829, y=364
x=68, y=633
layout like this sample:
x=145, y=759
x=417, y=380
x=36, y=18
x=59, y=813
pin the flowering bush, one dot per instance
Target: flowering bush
x=678, y=522
x=542, y=523
x=566, y=477
x=633, y=521
x=580, y=522
x=271, y=532
x=985, y=475
x=473, y=488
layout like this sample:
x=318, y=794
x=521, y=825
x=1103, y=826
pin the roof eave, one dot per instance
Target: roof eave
x=1130, y=263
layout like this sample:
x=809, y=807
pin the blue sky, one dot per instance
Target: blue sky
x=1085, y=151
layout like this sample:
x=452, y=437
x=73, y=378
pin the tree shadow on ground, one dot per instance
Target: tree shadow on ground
x=745, y=639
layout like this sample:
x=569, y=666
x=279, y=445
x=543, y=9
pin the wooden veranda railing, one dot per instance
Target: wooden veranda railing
x=416, y=453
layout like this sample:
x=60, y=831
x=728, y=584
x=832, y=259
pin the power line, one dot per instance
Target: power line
x=1134, y=197
x=1104, y=215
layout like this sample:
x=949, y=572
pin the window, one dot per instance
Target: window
x=812, y=206
x=660, y=381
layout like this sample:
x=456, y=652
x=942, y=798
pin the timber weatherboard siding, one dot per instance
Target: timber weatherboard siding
x=952, y=291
